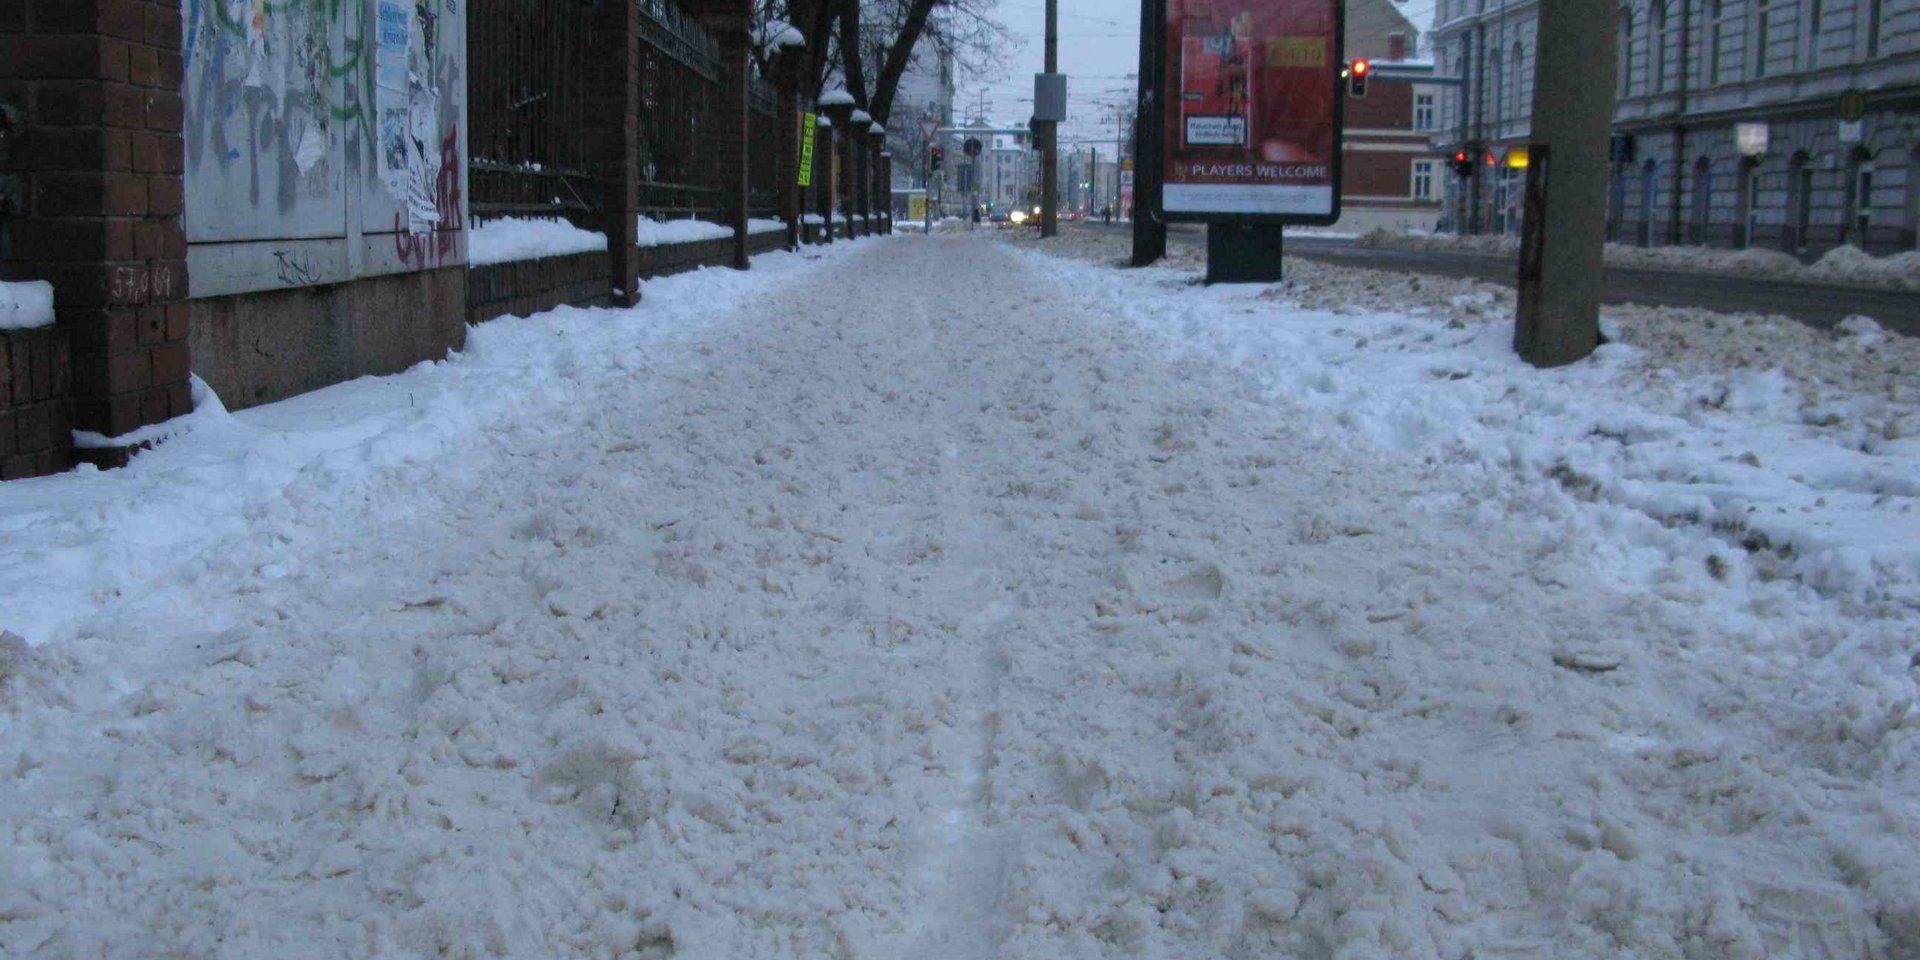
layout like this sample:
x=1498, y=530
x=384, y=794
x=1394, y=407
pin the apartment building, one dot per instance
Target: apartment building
x=1731, y=125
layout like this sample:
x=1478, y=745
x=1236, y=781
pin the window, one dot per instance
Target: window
x=1860, y=216
x=1813, y=33
x=1713, y=44
x=1423, y=179
x=1626, y=53
x=1423, y=111
x=1518, y=109
x=1747, y=190
x=1657, y=47
x=1762, y=25
x=1873, y=26
x=1499, y=75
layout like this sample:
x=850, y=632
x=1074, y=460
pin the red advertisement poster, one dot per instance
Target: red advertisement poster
x=1253, y=110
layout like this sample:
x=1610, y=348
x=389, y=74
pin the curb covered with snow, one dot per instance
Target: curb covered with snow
x=1842, y=266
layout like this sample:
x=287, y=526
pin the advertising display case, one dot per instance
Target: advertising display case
x=1253, y=111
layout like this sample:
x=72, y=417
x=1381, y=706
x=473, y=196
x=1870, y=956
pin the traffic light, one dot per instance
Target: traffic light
x=1462, y=164
x=1357, y=78
x=939, y=156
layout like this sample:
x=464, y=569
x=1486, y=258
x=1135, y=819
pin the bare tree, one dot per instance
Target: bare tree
x=894, y=31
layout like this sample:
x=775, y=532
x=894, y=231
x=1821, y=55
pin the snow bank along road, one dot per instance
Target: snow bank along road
x=956, y=623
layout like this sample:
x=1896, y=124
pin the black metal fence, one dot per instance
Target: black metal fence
x=534, y=136
x=531, y=137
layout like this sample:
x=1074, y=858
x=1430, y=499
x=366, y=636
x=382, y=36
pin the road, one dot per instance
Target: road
x=1814, y=304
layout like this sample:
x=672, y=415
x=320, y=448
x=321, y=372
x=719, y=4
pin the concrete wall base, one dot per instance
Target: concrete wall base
x=260, y=347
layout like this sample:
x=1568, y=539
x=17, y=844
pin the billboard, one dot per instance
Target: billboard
x=1253, y=110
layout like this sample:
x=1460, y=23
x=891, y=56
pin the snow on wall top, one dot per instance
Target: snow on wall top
x=530, y=238
x=26, y=304
x=836, y=98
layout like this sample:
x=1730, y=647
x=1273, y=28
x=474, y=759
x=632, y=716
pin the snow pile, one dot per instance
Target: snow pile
x=25, y=304
x=1793, y=445
x=656, y=233
x=207, y=411
x=1851, y=264
x=837, y=97
x=528, y=238
x=1383, y=238
x=779, y=35
x=1847, y=265
x=1736, y=779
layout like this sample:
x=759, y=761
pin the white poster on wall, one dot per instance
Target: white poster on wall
x=392, y=106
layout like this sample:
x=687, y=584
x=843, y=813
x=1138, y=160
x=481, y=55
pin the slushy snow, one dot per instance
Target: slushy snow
x=842, y=608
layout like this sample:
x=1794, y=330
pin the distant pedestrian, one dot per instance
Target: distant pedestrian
x=1106, y=214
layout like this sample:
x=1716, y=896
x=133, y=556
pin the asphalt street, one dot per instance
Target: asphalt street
x=1814, y=304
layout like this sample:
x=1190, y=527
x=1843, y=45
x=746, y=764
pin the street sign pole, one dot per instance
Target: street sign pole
x=1050, y=127
x=1149, y=137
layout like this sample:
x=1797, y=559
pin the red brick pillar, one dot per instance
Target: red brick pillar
x=92, y=92
x=616, y=94
x=860, y=173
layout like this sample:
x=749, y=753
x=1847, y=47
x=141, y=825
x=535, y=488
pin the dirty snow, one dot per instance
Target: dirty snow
x=1847, y=265
x=1132, y=622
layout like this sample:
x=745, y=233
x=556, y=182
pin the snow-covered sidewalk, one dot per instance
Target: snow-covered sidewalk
x=969, y=619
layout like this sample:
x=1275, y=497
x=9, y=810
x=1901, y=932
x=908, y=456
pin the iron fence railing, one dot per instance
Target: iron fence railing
x=537, y=140
x=531, y=138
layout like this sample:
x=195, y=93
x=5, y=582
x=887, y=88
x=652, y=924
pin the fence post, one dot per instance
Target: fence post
x=860, y=145
x=824, y=144
x=617, y=94
x=735, y=135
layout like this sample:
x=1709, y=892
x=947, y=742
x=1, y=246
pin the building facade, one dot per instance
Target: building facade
x=926, y=92
x=1728, y=124
x=1390, y=175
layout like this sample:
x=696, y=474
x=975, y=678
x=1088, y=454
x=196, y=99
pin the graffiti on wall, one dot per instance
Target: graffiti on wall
x=309, y=121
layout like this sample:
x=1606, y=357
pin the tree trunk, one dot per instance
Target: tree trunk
x=898, y=56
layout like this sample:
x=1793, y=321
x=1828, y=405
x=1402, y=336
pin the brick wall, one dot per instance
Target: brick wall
x=527, y=287
x=35, y=433
x=92, y=171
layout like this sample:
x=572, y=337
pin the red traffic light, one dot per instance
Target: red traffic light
x=1360, y=68
x=1460, y=156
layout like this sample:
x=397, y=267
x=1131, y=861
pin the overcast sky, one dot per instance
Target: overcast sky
x=1099, y=50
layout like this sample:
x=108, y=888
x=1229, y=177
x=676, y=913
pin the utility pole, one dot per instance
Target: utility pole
x=1558, y=319
x=1149, y=137
x=1050, y=160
